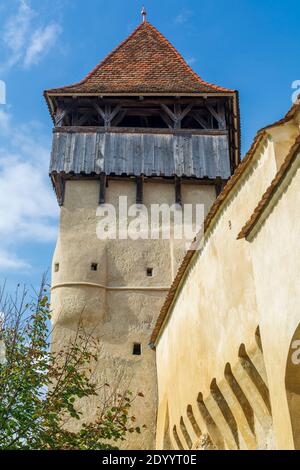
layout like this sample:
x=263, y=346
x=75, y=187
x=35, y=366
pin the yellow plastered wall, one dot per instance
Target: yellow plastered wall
x=218, y=308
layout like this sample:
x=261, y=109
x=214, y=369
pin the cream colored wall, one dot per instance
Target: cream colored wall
x=283, y=137
x=118, y=302
x=214, y=314
x=276, y=261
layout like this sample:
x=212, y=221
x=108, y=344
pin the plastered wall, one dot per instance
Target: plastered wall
x=222, y=353
x=118, y=302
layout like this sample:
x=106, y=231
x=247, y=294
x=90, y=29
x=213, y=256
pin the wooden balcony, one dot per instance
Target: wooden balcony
x=150, y=152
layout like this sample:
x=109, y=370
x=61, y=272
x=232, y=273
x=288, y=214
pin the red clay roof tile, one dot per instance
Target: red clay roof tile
x=144, y=63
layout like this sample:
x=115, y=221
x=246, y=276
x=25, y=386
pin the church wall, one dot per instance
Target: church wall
x=214, y=314
x=276, y=275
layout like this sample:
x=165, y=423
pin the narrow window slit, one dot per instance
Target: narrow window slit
x=149, y=272
x=94, y=267
x=137, y=349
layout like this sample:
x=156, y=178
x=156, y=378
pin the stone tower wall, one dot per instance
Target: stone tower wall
x=118, y=302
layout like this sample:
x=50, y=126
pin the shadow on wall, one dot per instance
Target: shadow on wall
x=237, y=413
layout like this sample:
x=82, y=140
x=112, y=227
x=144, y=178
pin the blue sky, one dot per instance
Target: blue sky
x=249, y=45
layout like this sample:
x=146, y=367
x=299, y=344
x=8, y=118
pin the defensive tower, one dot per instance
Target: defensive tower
x=144, y=125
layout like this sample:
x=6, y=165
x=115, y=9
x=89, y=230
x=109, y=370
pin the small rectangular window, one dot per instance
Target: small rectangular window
x=137, y=349
x=56, y=267
x=94, y=267
x=150, y=272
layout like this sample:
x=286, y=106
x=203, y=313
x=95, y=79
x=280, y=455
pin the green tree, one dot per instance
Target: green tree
x=41, y=390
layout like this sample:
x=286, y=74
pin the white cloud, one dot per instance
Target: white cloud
x=191, y=60
x=28, y=209
x=16, y=30
x=25, y=38
x=9, y=260
x=42, y=40
x=183, y=16
x=4, y=120
x=2, y=92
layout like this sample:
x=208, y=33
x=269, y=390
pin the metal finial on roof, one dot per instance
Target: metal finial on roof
x=144, y=14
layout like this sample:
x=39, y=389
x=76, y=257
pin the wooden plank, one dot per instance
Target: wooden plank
x=137, y=130
x=203, y=157
x=89, y=163
x=169, y=157
x=100, y=152
x=54, y=161
x=148, y=165
x=135, y=154
x=129, y=154
x=60, y=190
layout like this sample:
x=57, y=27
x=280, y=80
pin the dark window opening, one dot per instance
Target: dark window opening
x=154, y=122
x=84, y=117
x=157, y=122
x=150, y=272
x=56, y=267
x=190, y=123
x=94, y=267
x=137, y=349
x=208, y=122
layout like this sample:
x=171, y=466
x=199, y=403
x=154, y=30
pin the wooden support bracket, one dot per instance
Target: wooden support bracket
x=178, y=115
x=108, y=114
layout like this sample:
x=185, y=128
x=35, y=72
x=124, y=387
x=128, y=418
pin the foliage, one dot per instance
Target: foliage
x=41, y=390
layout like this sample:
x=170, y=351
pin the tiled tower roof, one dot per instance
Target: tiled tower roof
x=144, y=63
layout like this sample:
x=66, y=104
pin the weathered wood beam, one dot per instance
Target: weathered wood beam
x=168, y=111
x=138, y=130
x=114, y=112
x=201, y=120
x=103, y=181
x=61, y=113
x=154, y=101
x=167, y=120
x=221, y=113
x=178, y=190
x=186, y=111
x=59, y=116
x=101, y=113
x=219, y=117
x=140, y=190
x=119, y=118
x=108, y=114
x=59, y=183
x=178, y=115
